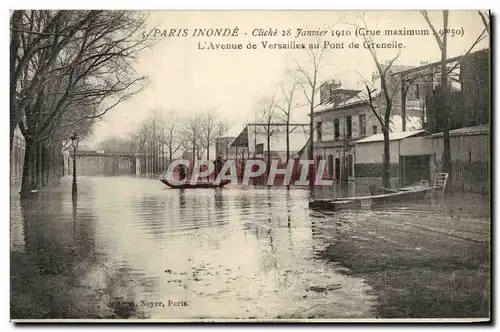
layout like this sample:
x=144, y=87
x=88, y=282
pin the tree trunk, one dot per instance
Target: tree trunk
x=27, y=182
x=148, y=163
x=39, y=166
x=194, y=152
x=51, y=170
x=311, y=131
x=446, y=166
x=268, y=166
x=16, y=19
x=404, y=90
x=170, y=155
x=287, y=141
x=387, y=159
x=310, y=154
x=48, y=165
x=162, y=157
x=13, y=125
x=155, y=158
x=194, y=155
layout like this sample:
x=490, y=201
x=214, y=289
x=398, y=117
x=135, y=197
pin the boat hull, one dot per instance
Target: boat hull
x=334, y=205
x=359, y=202
x=195, y=185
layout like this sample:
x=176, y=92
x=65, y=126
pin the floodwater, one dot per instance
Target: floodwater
x=133, y=248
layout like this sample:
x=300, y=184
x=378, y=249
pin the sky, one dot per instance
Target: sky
x=186, y=79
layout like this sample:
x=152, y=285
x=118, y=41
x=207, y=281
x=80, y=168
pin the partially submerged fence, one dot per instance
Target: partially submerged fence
x=470, y=176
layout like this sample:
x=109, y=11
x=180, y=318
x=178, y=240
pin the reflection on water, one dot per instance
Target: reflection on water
x=133, y=248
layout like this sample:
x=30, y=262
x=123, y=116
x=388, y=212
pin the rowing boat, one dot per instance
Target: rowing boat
x=381, y=195
x=199, y=185
x=403, y=194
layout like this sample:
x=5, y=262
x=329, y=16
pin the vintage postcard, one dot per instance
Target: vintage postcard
x=250, y=166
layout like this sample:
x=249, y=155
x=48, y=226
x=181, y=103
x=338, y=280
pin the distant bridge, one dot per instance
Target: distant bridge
x=96, y=162
x=98, y=153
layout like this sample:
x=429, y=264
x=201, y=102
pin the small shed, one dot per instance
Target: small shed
x=410, y=158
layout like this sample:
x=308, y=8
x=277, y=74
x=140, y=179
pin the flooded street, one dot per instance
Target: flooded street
x=132, y=248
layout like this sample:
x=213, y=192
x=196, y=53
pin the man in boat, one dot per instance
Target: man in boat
x=182, y=172
x=218, y=166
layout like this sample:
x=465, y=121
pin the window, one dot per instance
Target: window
x=259, y=149
x=416, y=94
x=349, y=165
x=374, y=128
x=336, y=128
x=318, y=159
x=318, y=131
x=362, y=125
x=348, y=124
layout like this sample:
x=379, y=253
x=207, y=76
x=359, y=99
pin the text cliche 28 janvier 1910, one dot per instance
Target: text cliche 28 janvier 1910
x=270, y=38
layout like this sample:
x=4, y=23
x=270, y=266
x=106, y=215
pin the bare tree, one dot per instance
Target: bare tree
x=485, y=18
x=286, y=106
x=443, y=114
x=15, y=42
x=70, y=61
x=308, y=80
x=443, y=101
x=159, y=132
x=191, y=131
x=147, y=133
x=268, y=116
x=172, y=134
x=209, y=121
x=381, y=105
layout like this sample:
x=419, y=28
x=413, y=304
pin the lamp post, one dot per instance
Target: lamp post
x=74, y=143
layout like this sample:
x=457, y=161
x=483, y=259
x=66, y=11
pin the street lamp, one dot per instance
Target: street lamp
x=74, y=143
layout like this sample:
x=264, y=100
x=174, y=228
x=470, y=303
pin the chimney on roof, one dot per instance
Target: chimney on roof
x=324, y=93
x=327, y=93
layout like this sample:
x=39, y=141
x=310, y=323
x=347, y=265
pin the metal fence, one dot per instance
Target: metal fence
x=470, y=176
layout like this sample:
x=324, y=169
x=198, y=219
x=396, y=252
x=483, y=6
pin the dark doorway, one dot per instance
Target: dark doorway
x=337, y=168
x=415, y=169
x=330, y=166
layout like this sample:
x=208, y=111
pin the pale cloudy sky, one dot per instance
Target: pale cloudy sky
x=186, y=79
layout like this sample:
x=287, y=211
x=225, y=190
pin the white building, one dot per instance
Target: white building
x=252, y=141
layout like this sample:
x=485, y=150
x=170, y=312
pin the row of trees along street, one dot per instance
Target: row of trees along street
x=165, y=133
x=67, y=69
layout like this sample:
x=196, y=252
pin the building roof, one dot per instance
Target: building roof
x=435, y=64
x=467, y=131
x=297, y=138
x=360, y=98
x=242, y=136
x=392, y=136
x=234, y=131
